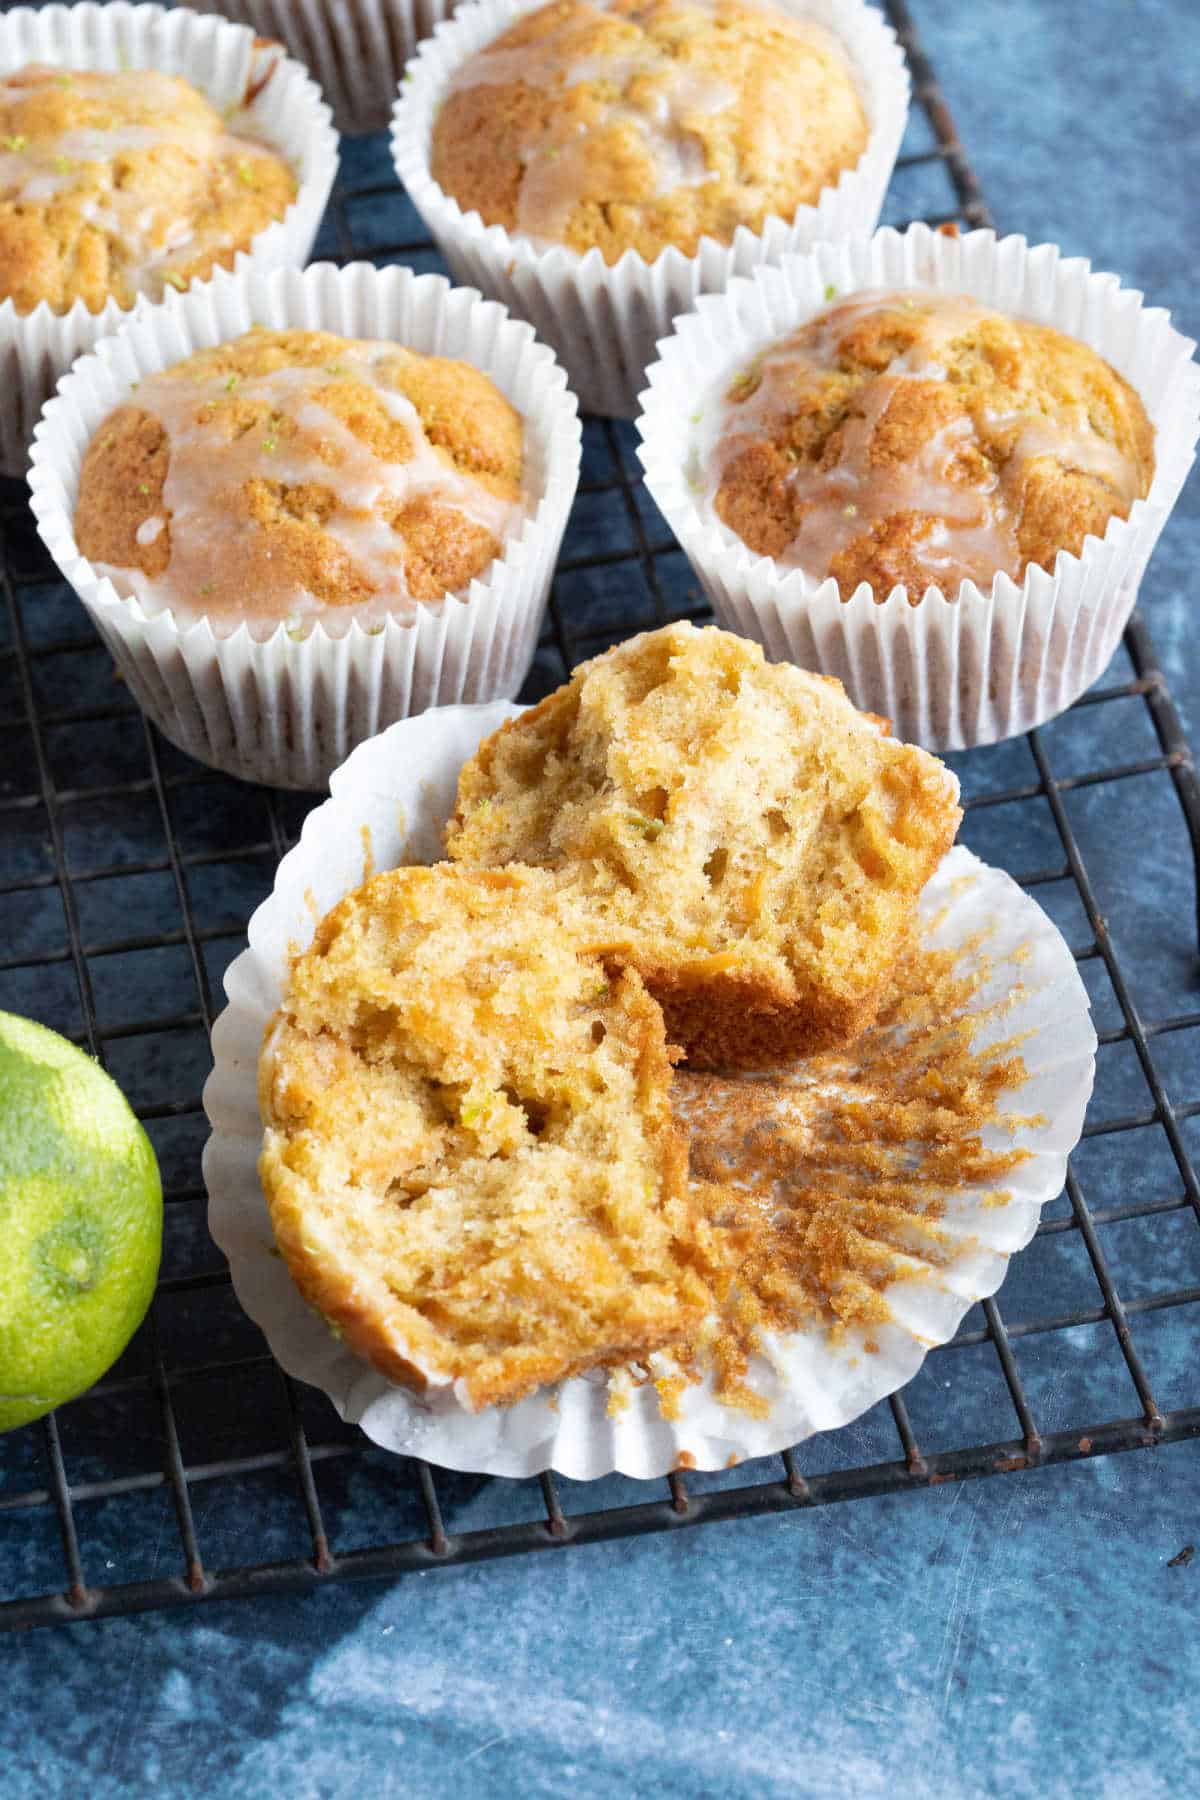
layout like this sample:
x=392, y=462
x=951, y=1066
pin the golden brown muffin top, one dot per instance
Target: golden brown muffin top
x=924, y=439
x=115, y=185
x=295, y=475
x=644, y=123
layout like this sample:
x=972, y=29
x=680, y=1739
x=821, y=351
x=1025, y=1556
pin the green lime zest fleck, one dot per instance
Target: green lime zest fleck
x=649, y=828
x=174, y=279
x=747, y=382
x=18, y=142
x=231, y=383
x=830, y=291
x=63, y=165
x=66, y=79
x=143, y=487
x=245, y=173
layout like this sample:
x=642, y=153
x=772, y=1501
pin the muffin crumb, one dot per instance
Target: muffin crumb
x=469, y=1158
x=741, y=835
x=296, y=475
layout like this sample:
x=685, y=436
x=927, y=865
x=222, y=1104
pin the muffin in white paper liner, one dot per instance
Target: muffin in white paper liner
x=603, y=319
x=225, y=63
x=357, y=49
x=389, y=803
x=954, y=670
x=284, y=710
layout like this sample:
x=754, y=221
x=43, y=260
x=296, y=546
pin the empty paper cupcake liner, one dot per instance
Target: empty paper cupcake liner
x=225, y=63
x=283, y=710
x=389, y=803
x=357, y=49
x=604, y=320
x=953, y=670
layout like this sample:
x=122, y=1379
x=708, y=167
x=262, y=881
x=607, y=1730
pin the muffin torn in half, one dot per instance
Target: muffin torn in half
x=735, y=830
x=469, y=1158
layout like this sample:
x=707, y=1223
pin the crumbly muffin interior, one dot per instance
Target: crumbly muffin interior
x=642, y=123
x=291, y=475
x=123, y=183
x=922, y=438
x=469, y=1158
x=724, y=820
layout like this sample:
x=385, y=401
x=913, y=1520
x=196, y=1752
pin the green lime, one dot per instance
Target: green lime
x=80, y=1221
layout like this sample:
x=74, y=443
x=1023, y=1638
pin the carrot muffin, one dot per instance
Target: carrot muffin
x=119, y=184
x=925, y=439
x=469, y=1158
x=291, y=476
x=638, y=124
x=736, y=830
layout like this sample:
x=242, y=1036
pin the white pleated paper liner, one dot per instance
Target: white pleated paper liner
x=953, y=670
x=604, y=320
x=287, y=711
x=394, y=795
x=224, y=62
x=356, y=49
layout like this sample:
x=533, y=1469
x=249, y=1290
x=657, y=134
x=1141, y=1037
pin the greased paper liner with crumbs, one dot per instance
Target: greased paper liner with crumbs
x=288, y=710
x=357, y=49
x=389, y=802
x=952, y=671
x=225, y=63
x=604, y=320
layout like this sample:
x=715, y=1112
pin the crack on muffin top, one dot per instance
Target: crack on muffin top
x=296, y=475
x=638, y=125
x=923, y=439
x=115, y=184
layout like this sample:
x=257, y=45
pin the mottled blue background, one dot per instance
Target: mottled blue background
x=1020, y=1635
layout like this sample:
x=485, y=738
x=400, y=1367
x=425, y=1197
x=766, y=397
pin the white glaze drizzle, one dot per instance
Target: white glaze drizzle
x=975, y=535
x=668, y=97
x=41, y=170
x=221, y=560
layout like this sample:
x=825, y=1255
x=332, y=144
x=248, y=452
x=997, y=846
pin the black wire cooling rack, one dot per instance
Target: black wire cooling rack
x=197, y=1470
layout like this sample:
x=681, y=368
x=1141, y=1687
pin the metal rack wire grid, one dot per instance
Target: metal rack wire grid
x=196, y=1469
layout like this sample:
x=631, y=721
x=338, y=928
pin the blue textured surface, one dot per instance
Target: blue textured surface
x=1023, y=1634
